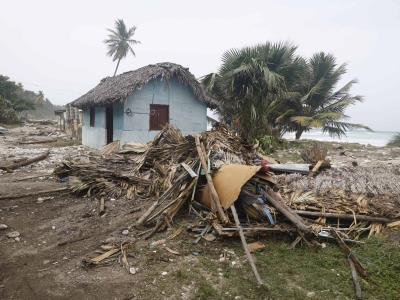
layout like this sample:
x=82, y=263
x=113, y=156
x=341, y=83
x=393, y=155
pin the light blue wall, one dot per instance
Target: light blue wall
x=186, y=112
x=94, y=137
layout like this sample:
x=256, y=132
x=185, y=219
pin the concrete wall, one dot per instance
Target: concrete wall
x=186, y=112
x=94, y=137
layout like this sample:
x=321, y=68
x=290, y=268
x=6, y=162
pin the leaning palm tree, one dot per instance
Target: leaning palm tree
x=120, y=42
x=315, y=103
x=251, y=83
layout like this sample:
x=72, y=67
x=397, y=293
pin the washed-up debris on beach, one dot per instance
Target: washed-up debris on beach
x=223, y=182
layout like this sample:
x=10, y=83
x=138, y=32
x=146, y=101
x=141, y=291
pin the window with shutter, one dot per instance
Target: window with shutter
x=159, y=116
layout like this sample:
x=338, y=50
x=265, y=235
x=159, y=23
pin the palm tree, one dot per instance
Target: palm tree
x=315, y=103
x=120, y=42
x=251, y=84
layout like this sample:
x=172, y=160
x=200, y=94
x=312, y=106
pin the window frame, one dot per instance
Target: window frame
x=158, y=126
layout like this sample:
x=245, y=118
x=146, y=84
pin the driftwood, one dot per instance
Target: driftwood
x=26, y=162
x=213, y=191
x=34, y=193
x=245, y=247
x=38, y=141
x=342, y=216
x=277, y=202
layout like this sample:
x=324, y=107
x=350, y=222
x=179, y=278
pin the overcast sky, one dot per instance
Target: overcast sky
x=57, y=46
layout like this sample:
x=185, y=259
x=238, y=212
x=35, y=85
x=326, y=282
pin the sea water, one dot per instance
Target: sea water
x=375, y=138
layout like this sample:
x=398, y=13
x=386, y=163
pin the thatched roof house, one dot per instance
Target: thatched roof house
x=118, y=88
x=135, y=105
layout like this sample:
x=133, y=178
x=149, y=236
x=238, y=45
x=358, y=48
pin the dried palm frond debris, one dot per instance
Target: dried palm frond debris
x=217, y=174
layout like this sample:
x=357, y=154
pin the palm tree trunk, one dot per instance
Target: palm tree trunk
x=299, y=132
x=117, y=66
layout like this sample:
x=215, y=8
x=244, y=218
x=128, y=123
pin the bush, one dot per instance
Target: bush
x=395, y=141
x=7, y=113
x=269, y=143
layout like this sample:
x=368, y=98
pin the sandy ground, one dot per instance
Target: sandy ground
x=35, y=266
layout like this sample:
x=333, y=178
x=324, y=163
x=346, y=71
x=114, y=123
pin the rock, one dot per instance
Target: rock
x=354, y=163
x=17, y=239
x=310, y=294
x=125, y=232
x=209, y=237
x=3, y=226
x=13, y=234
x=164, y=273
x=133, y=270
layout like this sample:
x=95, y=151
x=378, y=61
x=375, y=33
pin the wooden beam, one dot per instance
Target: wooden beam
x=349, y=217
x=278, y=203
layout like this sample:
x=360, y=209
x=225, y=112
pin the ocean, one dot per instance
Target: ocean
x=375, y=138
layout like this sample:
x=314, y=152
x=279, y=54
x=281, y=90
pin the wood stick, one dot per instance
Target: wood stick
x=213, y=192
x=34, y=193
x=277, y=202
x=146, y=214
x=101, y=211
x=245, y=247
x=347, y=251
x=25, y=162
x=342, y=216
x=316, y=168
x=356, y=281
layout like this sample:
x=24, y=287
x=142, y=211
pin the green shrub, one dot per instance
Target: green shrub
x=395, y=141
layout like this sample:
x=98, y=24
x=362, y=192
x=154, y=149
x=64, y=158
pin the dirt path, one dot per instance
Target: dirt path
x=35, y=267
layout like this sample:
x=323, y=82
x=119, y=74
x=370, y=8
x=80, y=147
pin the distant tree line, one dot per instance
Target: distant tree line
x=268, y=89
x=14, y=99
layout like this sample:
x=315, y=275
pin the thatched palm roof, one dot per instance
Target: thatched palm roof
x=118, y=88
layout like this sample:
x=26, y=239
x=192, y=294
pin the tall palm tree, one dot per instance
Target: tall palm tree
x=251, y=83
x=120, y=42
x=315, y=103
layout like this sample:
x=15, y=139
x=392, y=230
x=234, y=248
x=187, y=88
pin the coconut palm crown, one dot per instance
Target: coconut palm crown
x=120, y=42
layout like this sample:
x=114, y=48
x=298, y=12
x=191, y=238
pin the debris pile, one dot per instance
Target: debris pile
x=225, y=183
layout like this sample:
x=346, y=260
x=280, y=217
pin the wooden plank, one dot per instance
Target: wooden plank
x=278, y=203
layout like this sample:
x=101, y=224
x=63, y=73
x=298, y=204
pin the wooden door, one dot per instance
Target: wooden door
x=159, y=116
x=109, y=124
